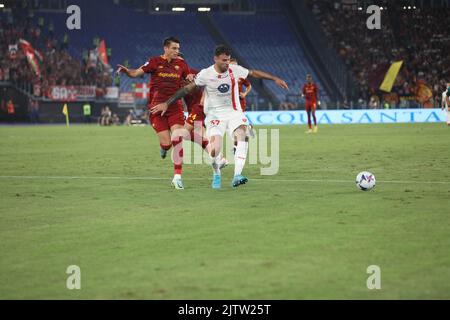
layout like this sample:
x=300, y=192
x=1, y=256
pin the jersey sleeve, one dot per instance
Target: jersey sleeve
x=239, y=71
x=185, y=69
x=201, y=78
x=150, y=66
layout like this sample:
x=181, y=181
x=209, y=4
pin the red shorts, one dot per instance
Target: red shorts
x=196, y=114
x=173, y=116
x=310, y=106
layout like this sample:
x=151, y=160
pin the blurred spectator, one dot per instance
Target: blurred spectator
x=10, y=110
x=374, y=102
x=57, y=67
x=105, y=118
x=346, y=104
x=130, y=117
x=87, y=112
x=417, y=37
x=145, y=116
x=33, y=110
x=115, y=120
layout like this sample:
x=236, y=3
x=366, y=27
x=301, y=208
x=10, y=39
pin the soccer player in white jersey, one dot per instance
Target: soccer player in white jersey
x=445, y=102
x=222, y=108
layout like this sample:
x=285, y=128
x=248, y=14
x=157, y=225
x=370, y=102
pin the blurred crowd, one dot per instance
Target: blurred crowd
x=419, y=37
x=57, y=66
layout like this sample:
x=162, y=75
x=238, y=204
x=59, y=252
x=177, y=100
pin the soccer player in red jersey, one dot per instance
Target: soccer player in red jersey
x=310, y=92
x=167, y=75
x=196, y=118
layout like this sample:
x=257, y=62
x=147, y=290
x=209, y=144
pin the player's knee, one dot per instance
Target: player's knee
x=179, y=132
x=240, y=133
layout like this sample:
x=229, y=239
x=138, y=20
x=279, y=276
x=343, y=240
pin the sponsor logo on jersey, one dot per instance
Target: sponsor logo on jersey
x=168, y=75
x=223, y=88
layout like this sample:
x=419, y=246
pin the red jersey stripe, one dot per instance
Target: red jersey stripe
x=233, y=85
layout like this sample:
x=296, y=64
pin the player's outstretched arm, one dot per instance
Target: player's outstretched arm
x=264, y=75
x=162, y=107
x=132, y=73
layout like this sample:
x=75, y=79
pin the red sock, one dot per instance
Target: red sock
x=309, y=120
x=177, y=155
x=314, y=118
x=195, y=137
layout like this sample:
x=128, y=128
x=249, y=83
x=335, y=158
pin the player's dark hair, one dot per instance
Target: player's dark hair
x=233, y=59
x=222, y=49
x=169, y=40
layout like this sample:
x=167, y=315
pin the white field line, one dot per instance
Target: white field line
x=252, y=179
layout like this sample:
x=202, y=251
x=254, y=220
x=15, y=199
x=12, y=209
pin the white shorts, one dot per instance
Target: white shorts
x=217, y=125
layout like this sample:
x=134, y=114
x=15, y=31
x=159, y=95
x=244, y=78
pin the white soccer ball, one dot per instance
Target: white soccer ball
x=365, y=181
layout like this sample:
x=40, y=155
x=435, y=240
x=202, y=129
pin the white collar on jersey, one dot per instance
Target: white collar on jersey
x=220, y=75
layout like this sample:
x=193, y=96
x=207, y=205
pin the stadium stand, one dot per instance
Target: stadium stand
x=414, y=35
x=139, y=40
x=57, y=66
x=267, y=43
x=257, y=30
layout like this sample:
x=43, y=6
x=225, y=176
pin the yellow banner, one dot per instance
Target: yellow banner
x=391, y=75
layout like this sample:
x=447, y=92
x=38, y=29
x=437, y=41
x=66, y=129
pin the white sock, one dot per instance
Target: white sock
x=216, y=163
x=177, y=176
x=239, y=157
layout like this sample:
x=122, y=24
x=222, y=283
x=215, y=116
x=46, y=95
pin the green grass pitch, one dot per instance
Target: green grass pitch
x=311, y=237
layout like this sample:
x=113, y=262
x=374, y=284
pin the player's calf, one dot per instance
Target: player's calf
x=240, y=156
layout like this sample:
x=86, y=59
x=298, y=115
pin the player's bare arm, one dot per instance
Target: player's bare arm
x=132, y=73
x=181, y=93
x=264, y=75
